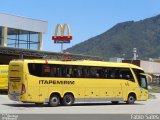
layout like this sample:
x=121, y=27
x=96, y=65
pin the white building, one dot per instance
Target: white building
x=21, y=32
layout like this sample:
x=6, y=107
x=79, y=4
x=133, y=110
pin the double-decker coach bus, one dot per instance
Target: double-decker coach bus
x=66, y=82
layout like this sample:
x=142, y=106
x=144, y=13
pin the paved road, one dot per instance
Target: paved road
x=150, y=106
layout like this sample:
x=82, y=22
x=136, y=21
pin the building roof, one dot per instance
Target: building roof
x=23, y=23
x=43, y=54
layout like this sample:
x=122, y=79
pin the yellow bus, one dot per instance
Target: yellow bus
x=3, y=77
x=69, y=82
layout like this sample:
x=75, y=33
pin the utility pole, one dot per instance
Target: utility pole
x=135, y=55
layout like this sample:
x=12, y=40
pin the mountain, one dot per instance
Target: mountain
x=120, y=40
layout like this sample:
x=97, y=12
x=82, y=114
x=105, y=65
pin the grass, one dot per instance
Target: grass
x=155, y=89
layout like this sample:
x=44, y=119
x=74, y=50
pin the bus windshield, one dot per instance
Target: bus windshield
x=142, y=80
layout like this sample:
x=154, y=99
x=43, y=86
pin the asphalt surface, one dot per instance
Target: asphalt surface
x=140, y=107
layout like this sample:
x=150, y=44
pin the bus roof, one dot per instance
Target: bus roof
x=3, y=65
x=83, y=63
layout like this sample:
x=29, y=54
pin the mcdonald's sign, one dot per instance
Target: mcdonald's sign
x=62, y=38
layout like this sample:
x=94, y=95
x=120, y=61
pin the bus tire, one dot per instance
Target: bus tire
x=115, y=102
x=131, y=99
x=68, y=99
x=54, y=100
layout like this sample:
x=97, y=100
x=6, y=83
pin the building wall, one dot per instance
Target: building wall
x=116, y=59
x=135, y=62
x=150, y=67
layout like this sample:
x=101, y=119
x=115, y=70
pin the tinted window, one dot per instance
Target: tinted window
x=125, y=73
x=71, y=71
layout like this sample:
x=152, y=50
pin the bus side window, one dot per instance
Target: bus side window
x=105, y=73
x=126, y=74
x=46, y=71
x=53, y=71
x=113, y=73
x=93, y=72
x=117, y=73
x=60, y=71
x=100, y=71
x=109, y=73
x=85, y=72
x=69, y=71
x=32, y=69
x=79, y=72
x=57, y=71
x=64, y=71
x=75, y=72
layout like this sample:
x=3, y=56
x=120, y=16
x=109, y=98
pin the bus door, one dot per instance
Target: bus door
x=142, y=84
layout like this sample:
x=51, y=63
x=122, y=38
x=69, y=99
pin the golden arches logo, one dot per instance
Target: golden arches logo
x=62, y=31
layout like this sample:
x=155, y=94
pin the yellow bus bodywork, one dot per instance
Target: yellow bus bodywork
x=4, y=77
x=39, y=89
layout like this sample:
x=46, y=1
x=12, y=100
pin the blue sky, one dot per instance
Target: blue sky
x=87, y=18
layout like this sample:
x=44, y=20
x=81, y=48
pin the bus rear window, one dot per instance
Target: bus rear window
x=35, y=69
x=44, y=70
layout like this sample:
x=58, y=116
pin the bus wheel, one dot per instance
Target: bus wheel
x=68, y=100
x=115, y=102
x=54, y=100
x=131, y=99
